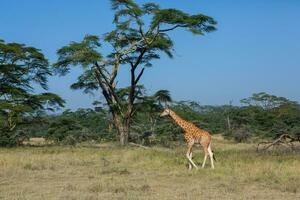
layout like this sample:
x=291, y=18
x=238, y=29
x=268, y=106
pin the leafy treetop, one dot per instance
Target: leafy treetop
x=20, y=68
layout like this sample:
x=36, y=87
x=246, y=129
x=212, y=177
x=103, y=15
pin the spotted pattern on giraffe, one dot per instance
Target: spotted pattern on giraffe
x=193, y=135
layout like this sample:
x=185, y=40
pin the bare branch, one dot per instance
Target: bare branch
x=138, y=145
x=284, y=139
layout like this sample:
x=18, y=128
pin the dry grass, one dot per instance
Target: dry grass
x=110, y=172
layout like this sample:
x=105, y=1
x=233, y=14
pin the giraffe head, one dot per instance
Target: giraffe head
x=165, y=112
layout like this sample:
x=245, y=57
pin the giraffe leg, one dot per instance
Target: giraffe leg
x=190, y=165
x=188, y=156
x=205, y=156
x=204, y=160
x=211, y=156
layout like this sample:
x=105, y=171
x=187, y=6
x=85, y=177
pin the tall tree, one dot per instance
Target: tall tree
x=140, y=35
x=266, y=101
x=22, y=67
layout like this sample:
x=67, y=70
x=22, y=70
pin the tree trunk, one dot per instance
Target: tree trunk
x=228, y=123
x=123, y=128
x=124, y=134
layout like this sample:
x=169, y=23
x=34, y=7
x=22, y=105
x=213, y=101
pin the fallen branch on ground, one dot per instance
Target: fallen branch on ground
x=284, y=139
x=138, y=145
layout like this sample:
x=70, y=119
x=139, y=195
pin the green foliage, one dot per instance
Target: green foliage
x=241, y=134
x=163, y=96
x=64, y=128
x=20, y=68
x=82, y=53
x=81, y=125
x=148, y=128
x=197, y=24
x=86, y=82
x=245, y=121
x=10, y=139
x=267, y=116
x=266, y=101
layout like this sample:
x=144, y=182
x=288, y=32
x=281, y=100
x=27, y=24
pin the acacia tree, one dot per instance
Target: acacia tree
x=266, y=101
x=139, y=37
x=21, y=67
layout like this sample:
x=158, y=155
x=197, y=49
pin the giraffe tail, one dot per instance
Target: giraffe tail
x=212, y=153
x=214, y=156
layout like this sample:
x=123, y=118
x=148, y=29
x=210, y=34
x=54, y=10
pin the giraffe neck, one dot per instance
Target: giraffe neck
x=178, y=120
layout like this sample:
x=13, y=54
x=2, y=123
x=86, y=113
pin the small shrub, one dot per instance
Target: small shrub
x=12, y=138
x=70, y=140
x=239, y=135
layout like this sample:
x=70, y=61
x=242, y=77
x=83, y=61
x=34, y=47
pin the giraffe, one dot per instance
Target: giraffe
x=193, y=135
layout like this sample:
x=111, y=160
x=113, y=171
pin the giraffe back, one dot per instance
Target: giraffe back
x=197, y=135
x=193, y=134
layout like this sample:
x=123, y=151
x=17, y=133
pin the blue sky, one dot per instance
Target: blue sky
x=256, y=47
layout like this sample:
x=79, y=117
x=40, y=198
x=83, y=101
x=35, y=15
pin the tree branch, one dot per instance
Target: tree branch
x=139, y=76
x=109, y=86
x=139, y=59
x=115, y=70
x=170, y=29
x=104, y=89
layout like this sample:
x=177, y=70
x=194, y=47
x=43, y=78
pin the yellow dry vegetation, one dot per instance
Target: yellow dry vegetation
x=111, y=172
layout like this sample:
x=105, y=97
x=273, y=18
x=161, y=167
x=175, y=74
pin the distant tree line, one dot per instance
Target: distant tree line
x=266, y=117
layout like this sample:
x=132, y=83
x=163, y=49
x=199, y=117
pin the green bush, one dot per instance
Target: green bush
x=9, y=138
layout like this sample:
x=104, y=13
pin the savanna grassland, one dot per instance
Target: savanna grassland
x=111, y=172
